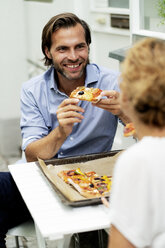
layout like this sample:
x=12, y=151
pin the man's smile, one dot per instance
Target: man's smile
x=72, y=66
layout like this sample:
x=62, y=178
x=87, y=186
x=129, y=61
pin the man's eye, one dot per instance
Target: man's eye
x=62, y=49
x=80, y=46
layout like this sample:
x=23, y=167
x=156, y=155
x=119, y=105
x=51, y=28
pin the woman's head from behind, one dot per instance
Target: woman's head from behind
x=143, y=82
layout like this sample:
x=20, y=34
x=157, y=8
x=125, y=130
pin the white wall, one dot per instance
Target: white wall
x=103, y=43
x=37, y=14
x=12, y=59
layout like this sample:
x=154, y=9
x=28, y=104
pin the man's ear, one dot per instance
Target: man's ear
x=47, y=52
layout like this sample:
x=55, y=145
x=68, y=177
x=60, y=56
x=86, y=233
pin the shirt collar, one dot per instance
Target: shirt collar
x=52, y=81
x=92, y=76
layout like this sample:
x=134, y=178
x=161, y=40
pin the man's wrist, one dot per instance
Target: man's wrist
x=124, y=118
x=60, y=134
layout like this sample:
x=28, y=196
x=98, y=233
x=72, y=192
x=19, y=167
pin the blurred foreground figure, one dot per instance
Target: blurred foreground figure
x=137, y=206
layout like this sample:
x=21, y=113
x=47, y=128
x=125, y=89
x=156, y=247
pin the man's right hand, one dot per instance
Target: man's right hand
x=68, y=114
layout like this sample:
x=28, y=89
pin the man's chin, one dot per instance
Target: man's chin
x=73, y=76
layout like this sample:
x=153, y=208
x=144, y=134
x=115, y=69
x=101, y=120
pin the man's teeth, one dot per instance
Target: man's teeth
x=72, y=66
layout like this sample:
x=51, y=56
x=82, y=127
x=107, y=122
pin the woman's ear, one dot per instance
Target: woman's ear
x=47, y=52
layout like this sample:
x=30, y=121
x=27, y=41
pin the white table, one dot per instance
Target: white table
x=53, y=219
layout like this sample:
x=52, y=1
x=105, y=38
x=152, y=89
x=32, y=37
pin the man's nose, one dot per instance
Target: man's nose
x=72, y=55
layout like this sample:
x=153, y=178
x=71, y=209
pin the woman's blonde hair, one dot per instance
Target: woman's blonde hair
x=143, y=80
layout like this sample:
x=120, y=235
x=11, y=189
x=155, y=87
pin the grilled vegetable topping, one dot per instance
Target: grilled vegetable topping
x=79, y=172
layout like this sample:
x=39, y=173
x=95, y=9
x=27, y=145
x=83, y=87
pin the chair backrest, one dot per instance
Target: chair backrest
x=26, y=229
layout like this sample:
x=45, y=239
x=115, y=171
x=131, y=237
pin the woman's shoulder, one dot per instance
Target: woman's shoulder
x=142, y=153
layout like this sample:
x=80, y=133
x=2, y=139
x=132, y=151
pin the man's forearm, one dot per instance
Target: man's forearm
x=45, y=148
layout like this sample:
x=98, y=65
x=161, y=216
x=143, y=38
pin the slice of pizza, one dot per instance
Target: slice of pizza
x=129, y=130
x=84, y=187
x=80, y=181
x=86, y=94
x=102, y=183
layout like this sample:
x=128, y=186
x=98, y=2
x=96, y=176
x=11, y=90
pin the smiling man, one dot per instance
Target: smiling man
x=54, y=125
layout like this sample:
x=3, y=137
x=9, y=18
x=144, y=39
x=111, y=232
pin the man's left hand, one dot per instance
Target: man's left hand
x=110, y=103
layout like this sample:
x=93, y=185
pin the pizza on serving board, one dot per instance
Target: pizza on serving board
x=86, y=94
x=88, y=184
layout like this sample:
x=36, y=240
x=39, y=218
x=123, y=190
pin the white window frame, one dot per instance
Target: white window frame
x=135, y=23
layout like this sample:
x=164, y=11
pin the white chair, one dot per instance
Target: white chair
x=27, y=229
